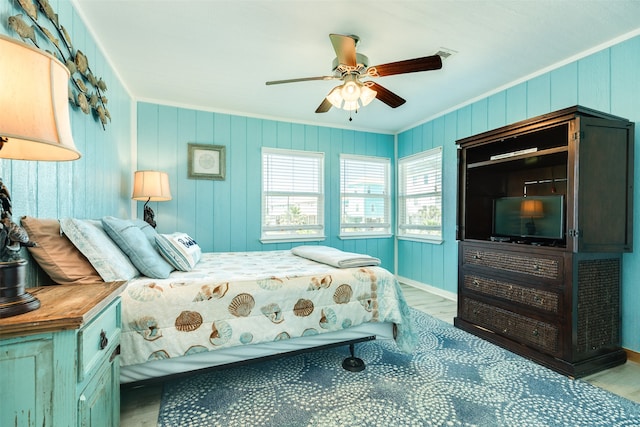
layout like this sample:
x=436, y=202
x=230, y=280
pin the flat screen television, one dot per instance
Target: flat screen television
x=532, y=218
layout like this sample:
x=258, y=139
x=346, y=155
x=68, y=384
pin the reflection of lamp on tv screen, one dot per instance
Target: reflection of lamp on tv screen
x=532, y=217
x=531, y=209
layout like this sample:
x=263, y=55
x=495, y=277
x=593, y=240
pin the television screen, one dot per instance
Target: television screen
x=533, y=217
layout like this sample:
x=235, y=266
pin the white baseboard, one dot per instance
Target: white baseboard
x=431, y=289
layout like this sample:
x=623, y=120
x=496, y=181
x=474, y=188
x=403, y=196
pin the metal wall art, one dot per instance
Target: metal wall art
x=86, y=91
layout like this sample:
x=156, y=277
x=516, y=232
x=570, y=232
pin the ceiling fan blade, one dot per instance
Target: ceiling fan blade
x=426, y=63
x=345, y=47
x=303, y=79
x=386, y=96
x=324, y=106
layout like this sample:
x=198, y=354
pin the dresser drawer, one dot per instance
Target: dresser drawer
x=98, y=339
x=520, y=328
x=535, y=265
x=538, y=299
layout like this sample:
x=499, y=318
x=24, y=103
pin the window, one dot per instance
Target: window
x=292, y=195
x=420, y=196
x=364, y=196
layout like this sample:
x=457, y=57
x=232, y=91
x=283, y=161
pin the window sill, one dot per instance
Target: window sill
x=364, y=236
x=419, y=240
x=267, y=240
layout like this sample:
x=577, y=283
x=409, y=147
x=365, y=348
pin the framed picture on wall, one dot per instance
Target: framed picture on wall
x=206, y=161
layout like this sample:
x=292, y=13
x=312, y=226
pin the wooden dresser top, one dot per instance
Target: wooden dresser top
x=61, y=307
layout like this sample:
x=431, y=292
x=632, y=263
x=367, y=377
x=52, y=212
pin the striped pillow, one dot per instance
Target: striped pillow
x=179, y=249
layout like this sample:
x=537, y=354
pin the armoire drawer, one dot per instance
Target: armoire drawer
x=538, y=299
x=522, y=329
x=535, y=265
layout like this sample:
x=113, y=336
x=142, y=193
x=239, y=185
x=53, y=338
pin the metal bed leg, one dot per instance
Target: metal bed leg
x=352, y=363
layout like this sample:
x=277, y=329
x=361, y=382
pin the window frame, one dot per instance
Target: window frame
x=386, y=197
x=317, y=230
x=405, y=231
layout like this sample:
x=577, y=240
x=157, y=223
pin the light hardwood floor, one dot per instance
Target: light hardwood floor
x=140, y=406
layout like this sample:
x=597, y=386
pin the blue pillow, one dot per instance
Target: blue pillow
x=133, y=242
x=148, y=231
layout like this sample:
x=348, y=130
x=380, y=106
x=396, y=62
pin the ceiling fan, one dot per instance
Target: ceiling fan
x=352, y=68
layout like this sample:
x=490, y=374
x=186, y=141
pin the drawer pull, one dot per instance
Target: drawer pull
x=477, y=256
x=104, y=341
x=535, y=333
x=476, y=282
x=116, y=353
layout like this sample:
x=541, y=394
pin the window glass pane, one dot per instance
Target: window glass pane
x=292, y=194
x=365, y=200
x=420, y=195
x=290, y=210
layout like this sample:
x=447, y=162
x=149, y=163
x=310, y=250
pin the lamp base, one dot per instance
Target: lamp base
x=13, y=299
x=149, y=215
x=12, y=306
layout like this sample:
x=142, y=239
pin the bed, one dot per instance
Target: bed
x=216, y=309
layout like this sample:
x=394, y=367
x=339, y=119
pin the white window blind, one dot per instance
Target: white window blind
x=364, y=196
x=292, y=195
x=420, y=195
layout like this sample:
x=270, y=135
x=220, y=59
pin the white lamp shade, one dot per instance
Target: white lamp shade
x=152, y=186
x=351, y=105
x=34, y=104
x=367, y=96
x=350, y=91
x=334, y=97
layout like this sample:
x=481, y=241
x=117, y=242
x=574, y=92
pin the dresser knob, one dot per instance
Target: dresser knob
x=104, y=341
x=475, y=282
x=477, y=256
x=535, y=333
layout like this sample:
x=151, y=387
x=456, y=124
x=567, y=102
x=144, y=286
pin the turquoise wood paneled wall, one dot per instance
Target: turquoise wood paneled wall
x=97, y=183
x=606, y=80
x=225, y=215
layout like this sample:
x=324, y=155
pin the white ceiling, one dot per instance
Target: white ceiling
x=217, y=55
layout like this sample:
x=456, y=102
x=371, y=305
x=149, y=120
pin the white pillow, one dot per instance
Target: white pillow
x=179, y=249
x=103, y=254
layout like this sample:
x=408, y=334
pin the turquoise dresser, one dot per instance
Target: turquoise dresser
x=59, y=364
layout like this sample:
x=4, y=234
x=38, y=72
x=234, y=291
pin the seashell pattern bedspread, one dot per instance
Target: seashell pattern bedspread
x=240, y=298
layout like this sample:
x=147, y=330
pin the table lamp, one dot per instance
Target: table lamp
x=151, y=186
x=34, y=125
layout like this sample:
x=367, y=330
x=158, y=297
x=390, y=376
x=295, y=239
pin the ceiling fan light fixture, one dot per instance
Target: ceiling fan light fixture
x=335, y=98
x=351, y=105
x=350, y=91
x=367, y=95
x=351, y=95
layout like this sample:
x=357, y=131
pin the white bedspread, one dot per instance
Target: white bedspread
x=241, y=298
x=335, y=257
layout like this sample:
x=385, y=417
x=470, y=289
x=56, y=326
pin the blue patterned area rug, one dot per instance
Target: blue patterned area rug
x=452, y=379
